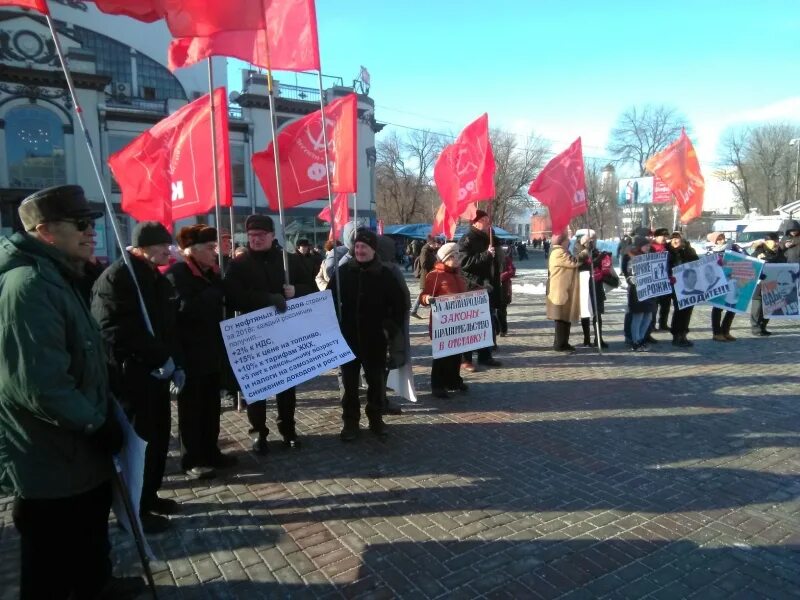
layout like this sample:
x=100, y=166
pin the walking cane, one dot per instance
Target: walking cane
x=138, y=536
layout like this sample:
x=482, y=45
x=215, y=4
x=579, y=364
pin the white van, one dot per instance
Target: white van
x=757, y=230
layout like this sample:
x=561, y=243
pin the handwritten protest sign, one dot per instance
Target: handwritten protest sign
x=742, y=273
x=652, y=278
x=271, y=351
x=779, y=291
x=699, y=281
x=460, y=323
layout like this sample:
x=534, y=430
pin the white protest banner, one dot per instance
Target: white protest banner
x=460, y=323
x=271, y=351
x=652, y=278
x=585, y=295
x=699, y=280
x=779, y=291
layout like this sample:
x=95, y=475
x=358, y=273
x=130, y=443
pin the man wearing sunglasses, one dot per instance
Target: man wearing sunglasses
x=57, y=429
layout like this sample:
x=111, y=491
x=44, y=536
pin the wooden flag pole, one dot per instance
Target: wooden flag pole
x=106, y=201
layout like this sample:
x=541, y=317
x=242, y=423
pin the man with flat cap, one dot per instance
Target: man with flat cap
x=255, y=280
x=57, y=427
x=144, y=366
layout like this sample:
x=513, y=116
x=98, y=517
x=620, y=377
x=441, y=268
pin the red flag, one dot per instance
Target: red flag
x=40, y=5
x=464, y=171
x=274, y=34
x=167, y=172
x=341, y=213
x=302, y=154
x=561, y=186
x=443, y=223
x=679, y=169
x=141, y=10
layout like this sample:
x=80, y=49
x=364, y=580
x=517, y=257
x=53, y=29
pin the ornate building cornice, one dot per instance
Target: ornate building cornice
x=47, y=78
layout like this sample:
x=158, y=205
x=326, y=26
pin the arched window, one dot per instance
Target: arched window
x=35, y=148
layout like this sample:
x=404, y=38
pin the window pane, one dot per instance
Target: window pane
x=35, y=146
x=238, y=171
x=116, y=142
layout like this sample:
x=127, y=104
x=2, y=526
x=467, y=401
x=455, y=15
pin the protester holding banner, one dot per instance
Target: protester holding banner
x=770, y=252
x=680, y=252
x=641, y=311
x=478, y=266
x=254, y=280
x=200, y=310
x=144, y=366
x=600, y=264
x=721, y=326
x=445, y=279
x=372, y=310
x=662, y=304
x=58, y=430
x=563, y=293
x=790, y=244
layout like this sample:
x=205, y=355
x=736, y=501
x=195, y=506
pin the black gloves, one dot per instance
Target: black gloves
x=278, y=301
x=109, y=437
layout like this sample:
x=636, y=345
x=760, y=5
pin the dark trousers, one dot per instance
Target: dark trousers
x=64, y=545
x=257, y=414
x=376, y=389
x=663, y=304
x=720, y=324
x=626, y=327
x=598, y=318
x=485, y=354
x=680, y=319
x=757, y=320
x=502, y=319
x=198, y=419
x=445, y=373
x=150, y=415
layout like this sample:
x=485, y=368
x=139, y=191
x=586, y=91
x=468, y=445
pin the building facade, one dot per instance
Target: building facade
x=124, y=87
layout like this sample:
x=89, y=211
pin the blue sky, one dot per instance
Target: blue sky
x=564, y=69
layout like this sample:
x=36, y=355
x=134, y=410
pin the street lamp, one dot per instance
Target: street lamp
x=796, y=142
x=372, y=159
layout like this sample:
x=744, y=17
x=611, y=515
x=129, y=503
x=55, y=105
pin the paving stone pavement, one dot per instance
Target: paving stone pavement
x=673, y=474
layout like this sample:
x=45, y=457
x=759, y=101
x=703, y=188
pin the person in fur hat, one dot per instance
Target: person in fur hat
x=200, y=309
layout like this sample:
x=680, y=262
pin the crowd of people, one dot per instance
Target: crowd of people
x=83, y=347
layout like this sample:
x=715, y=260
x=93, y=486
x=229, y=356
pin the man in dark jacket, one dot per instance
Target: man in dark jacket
x=57, y=428
x=255, y=280
x=479, y=267
x=143, y=365
x=200, y=309
x=372, y=311
x=790, y=244
x=769, y=251
x=309, y=259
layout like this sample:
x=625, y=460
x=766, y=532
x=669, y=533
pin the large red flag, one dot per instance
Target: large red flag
x=464, y=171
x=679, y=169
x=40, y=5
x=274, y=34
x=443, y=223
x=167, y=172
x=302, y=155
x=341, y=213
x=141, y=10
x=561, y=186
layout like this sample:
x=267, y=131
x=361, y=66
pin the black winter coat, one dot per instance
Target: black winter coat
x=131, y=349
x=254, y=277
x=634, y=304
x=476, y=261
x=681, y=255
x=791, y=248
x=200, y=306
x=373, y=308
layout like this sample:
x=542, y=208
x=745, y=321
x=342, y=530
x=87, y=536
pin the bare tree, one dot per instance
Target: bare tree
x=517, y=163
x=601, y=199
x=404, y=168
x=759, y=163
x=642, y=132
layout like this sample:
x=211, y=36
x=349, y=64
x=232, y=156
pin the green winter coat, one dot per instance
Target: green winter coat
x=53, y=379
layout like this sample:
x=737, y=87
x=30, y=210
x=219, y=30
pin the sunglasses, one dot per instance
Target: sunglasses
x=80, y=224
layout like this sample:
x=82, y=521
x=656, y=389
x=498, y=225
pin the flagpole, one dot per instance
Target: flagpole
x=106, y=201
x=330, y=185
x=593, y=290
x=217, y=208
